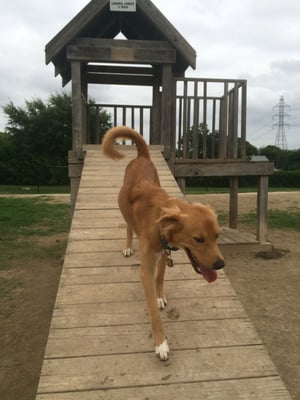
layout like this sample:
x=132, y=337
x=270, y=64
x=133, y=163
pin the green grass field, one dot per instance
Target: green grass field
x=15, y=189
x=23, y=221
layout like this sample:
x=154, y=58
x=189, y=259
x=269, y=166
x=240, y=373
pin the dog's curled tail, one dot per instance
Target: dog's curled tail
x=123, y=132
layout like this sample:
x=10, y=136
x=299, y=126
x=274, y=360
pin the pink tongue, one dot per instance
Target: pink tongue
x=208, y=274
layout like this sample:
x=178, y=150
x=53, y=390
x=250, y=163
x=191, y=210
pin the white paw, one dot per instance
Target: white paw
x=161, y=302
x=162, y=351
x=127, y=252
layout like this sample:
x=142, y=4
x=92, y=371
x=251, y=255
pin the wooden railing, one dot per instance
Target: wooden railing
x=137, y=117
x=210, y=119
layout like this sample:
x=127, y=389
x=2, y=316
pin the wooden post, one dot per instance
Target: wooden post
x=75, y=169
x=222, y=153
x=166, y=109
x=243, y=120
x=77, y=109
x=173, y=124
x=181, y=183
x=155, y=128
x=233, y=202
x=79, y=126
x=262, y=209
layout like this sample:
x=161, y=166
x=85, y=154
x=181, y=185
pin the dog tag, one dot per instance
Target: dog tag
x=170, y=263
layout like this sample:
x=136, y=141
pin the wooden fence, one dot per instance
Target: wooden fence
x=209, y=117
x=136, y=116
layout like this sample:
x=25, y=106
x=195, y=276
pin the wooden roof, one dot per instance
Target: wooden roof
x=97, y=21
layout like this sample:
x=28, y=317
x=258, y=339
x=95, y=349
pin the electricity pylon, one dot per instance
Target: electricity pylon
x=281, y=116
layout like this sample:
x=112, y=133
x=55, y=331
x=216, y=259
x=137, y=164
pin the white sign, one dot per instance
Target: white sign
x=124, y=5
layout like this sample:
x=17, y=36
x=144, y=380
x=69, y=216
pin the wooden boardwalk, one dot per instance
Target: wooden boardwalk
x=100, y=344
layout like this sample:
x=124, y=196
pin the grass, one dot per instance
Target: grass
x=31, y=216
x=284, y=219
x=23, y=222
x=18, y=189
x=276, y=219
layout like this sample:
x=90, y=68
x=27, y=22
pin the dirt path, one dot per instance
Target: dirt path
x=247, y=201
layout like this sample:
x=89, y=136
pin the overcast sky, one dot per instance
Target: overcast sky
x=257, y=40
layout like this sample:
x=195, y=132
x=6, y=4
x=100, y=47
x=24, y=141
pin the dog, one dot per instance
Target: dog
x=161, y=223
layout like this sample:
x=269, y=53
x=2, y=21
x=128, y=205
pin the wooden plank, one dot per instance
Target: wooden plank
x=115, y=257
x=243, y=168
x=111, y=79
x=142, y=369
x=125, y=51
x=133, y=291
x=100, y=259
x=67, y=316
x=235, y=236
x=88, y=246
x=94, y=223
x=263, y=388
x=82, y=342
x=97, y=214
x=120, y=70
x=130, y=273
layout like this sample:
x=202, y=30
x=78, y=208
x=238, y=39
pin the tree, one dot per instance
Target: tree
x=37, y=138
x=212, y=140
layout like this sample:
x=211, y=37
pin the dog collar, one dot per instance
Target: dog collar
x=166, y=246
x=167, y=249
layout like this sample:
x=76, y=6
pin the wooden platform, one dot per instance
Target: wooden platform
x=100, y=343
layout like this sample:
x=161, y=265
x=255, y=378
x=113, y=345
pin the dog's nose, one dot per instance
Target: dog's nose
x=219, y=264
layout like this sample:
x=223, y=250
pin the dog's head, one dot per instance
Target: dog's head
x=194, y=228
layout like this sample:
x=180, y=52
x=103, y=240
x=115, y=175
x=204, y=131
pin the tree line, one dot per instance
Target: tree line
x=35, y=143
x=34, y=146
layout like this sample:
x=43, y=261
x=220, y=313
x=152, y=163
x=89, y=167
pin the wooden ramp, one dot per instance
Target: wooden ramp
x=100, y=343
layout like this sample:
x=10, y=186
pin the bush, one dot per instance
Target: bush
x=280, y=179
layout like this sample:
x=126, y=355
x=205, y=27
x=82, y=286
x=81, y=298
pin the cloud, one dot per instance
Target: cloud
x=254, y=40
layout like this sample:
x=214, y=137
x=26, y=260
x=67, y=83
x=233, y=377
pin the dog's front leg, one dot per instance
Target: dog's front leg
x=148, y=279
x=159, y=280
x=127, y=251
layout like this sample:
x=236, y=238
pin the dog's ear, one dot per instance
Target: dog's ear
x=170, y=221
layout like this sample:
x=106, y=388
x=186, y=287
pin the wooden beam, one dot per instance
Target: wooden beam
x=85, y=17
x=222, y=168
x=124, y=51
x=120, y=69
x=169, y=32
x=132, y=80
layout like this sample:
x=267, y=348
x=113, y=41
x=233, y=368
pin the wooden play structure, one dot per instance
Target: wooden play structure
x=100, y=344
x=155, y=54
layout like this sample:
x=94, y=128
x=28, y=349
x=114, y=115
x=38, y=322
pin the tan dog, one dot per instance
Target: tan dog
x=161, y=222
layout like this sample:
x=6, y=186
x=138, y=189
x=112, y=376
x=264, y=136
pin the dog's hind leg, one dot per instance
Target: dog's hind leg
x=159, y=281
x=147, y=274
x=127, y=251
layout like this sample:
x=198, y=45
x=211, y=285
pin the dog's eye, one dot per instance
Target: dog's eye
x=199, y=239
